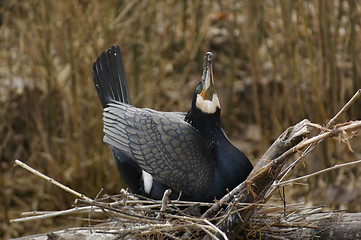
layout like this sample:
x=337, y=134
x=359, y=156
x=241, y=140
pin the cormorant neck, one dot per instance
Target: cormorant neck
x=208, y=124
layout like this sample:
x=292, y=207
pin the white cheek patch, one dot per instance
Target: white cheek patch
x=207, y=106
x=147, y=181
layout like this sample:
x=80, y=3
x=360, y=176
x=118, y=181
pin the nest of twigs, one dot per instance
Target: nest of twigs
x=138, y=217
x=131, y=216
x=128, y=215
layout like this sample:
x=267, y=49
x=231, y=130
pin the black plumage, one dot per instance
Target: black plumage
x=155, y=150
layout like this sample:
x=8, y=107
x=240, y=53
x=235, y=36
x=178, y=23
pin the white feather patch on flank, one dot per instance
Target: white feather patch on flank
x=207, y=106
x=147, y=181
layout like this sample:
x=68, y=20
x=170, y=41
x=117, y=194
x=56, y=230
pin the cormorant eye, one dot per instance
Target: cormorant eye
x=198, y=90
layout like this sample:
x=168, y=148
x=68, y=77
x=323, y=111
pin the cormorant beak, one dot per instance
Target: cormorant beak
x=207, y=100
x=207, y=77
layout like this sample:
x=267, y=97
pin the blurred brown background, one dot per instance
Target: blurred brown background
x=275, y=63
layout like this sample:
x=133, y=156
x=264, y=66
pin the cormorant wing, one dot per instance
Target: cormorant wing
x=162, y=143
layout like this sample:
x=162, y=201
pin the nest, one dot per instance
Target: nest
x=127, y=215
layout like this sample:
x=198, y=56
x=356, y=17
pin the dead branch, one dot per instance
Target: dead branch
x=328, y=225
x=36, y=172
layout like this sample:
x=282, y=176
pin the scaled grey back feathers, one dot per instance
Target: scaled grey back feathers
x=162, y=143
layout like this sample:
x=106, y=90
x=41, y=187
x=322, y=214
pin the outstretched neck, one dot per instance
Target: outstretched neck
x=207, y=124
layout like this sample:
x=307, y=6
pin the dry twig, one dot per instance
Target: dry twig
x=37, y=173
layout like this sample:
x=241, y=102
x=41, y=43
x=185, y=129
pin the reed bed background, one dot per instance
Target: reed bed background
x=275, y=63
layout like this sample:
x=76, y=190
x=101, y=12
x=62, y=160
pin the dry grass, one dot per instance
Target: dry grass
x=276, y=62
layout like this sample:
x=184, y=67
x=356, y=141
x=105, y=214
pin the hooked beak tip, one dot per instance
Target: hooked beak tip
x=208, y=58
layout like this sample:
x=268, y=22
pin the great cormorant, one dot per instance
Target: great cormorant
x=155, y=151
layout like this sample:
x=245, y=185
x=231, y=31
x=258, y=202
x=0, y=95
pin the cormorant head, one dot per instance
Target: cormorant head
x=205, y=96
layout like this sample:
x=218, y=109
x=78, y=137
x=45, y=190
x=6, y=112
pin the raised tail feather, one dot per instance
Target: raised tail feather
x=109, y=77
